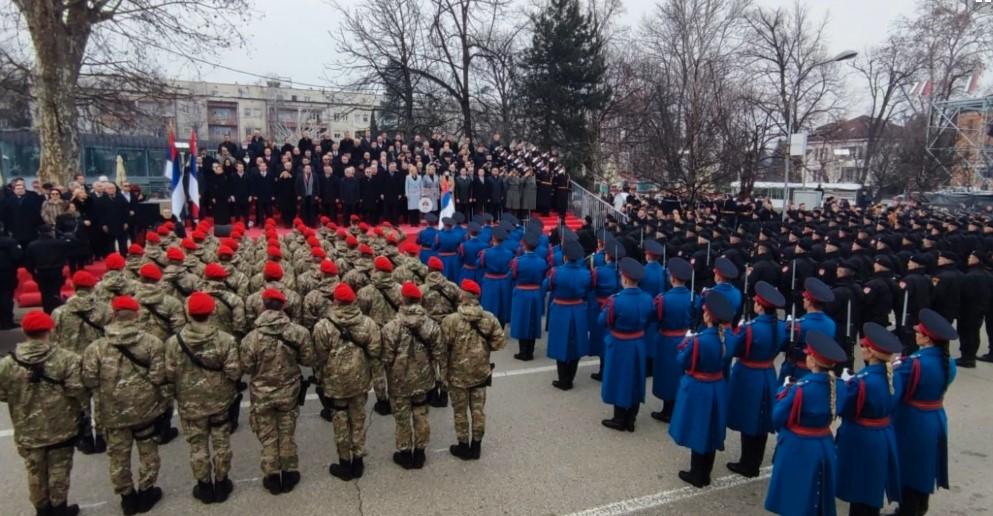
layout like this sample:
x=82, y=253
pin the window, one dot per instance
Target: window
x=337, y=136
x=293, y=98
x=248, y=112
x=849, y=175
x=99, y=161
x=365, y=118
x=306, y=99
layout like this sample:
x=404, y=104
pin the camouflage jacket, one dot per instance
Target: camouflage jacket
x=358, y=276
x=43, y=412
x=410, y=269
x=229, y=310
x=346, y=342
x=317, y=303
x=194, y=265
x=71, y=331
x=202, y=391
x=236, y=281
x=380, y=299
x=129, y=389
x=272, y=354
x=161, y=314
x=411, y=350
x=156, y=255
x=258, y=281
x=309, y=281
x=441, y=297
x=133, y=264
x=113, y=284
x=178, y=282
x=469, y=335
x=254, y=306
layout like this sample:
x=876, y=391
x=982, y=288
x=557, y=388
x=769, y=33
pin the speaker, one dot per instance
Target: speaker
x=222, y=231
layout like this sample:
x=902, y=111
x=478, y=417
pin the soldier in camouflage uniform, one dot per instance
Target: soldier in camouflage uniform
x=229, y=316
x=202, y=365
x=194, y=265
x=125, y=370
x=310, y=277
x=469, y=336
x=273, y=274
x=411, y=351
x=154, y=252
x=345, y=343
x=41, y=384
x=441, y=297
x=236, y=281
x=80, y=321
x=177, y=281
x=380, y=300
x=135, y=259
x=115, y=281
x=318, y=300
x=409, y=266
x=275, y=255
x=359, y=275
x=272, y=354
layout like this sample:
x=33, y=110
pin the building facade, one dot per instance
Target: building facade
x=836, y=151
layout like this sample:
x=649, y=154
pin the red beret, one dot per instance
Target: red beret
x=136, y=249
x=37, y=321
x=175, y=254
x=189, y=244
x=355, y=218
x=312, y=241
x=83, y=279
x=215, y=271
x=470, y=286
x=115, y=262
x=344, y=293
x=238, y=226
x=435, y=264
x=317, y=252
x=273, y=294
x=274, y=252
x=410, y=291
x=383, y=263
x=328, y=268
x=125, y=303
x=230, y=242
x=152, y=237
x=363, y=227
x=163, y=230
x=341, y=233
x=378, y=231
x=272, y=271
x=351, y=241
x=366, y=250
x=325, y=219
x=200, y=303
x=199, y=236
x=225, y=251
x=391, y=238
x=410, y=247
x=150, y=271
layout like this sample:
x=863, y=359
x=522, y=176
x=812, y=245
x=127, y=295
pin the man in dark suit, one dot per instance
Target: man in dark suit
x=22, y=213
x=261, y=190
x=112, y=213
x=44, y=258
x=11, y=255
x=463, y=191
x=329, y=191
x=348, y=190
x=308, y=190
x=285, y=190
x=480, y=192
x=241, y=191
x=370, y=191
x=392, y=187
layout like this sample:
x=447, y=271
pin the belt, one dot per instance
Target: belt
x=602, y=300
x=468, y=267
x=706, y=377
x=756, y=364
x=528, y=287
x=627, y=335
x=447, y=254
x=881, y=422
x=673, y=333
x=810, y=431
x=926, y=405
x=568, y=302
x=495, y=276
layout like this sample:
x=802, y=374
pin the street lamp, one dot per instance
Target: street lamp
x=843, y=56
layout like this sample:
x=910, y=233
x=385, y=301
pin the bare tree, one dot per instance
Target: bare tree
x=498, y=82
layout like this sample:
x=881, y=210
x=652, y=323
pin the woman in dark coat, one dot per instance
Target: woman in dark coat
x=543, y=202
x=82, y=252
x=220, y=193
x=562, y=189
x=529, y=194
x=480, y=192
x=286, y=197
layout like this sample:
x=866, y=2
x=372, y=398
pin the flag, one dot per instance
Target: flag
x=926, y=89
x=974, y=80
x=175, y=174
x=193, y=189
x=447, y=208
x=915, y=89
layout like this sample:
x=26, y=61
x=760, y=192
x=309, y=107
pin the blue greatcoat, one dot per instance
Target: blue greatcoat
x=568, y=336
x=730, y=292
x=496, y=284
x=606, y=283
x=426, y=239
x=528, y=271
x=654, y=282
x=699, y=421
x=469, y=250
x=626, y=315
x=794, y=365
x=867, y=454
x=674, y=317
x=920, y=420
x=753, y=377
x=447, y=244
x=804, y=464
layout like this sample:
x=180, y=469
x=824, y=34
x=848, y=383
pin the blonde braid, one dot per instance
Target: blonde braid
x=889, y=375
x=834, y=394
x=720, y=336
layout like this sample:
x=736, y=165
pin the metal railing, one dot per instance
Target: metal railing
x=583, y=203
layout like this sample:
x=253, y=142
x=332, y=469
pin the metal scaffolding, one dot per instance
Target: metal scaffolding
x=958, y=140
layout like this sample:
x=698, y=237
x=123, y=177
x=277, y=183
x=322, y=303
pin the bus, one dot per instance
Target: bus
x=811, y=194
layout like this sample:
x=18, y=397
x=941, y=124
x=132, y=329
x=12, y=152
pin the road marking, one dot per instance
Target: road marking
x=664, y=498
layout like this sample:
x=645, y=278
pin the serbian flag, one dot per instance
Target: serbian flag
x=447, y=206
x=193, y=186
x=175, y=176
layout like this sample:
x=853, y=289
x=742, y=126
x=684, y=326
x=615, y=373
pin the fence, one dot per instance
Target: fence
x=583, y=203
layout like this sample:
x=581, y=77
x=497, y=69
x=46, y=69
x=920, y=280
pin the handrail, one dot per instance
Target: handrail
x=583, y=203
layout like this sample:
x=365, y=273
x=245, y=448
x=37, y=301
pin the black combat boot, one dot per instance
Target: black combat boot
x=273, y=483
x=475, y=449
x=129, y=503
x=222, y=489
x=204, y=491
x=341, y=470
x=147, y=498
x=565, y=380
x=522, y=350
x=382, y=407
x=234, y=412
x=44, y=510
x=618, y=422
x=290, y=480
x=357, y=467
x=695, y=474
x=632, y=416
x=404, y=459
x=707, y=466
x=665, y=415
x=598, y=375
x=460, y=450
x=99, y=444
x=65, y=510
x=85, y=442
x=752, y=450
x=419, y=458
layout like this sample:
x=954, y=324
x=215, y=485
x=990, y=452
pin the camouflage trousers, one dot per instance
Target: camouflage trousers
x=471, y=401
x=202, y=434
x=349, y=426
x=48, y=474
x=275, y=430
x=379, y=380
x=411, y=414
x=119, y=441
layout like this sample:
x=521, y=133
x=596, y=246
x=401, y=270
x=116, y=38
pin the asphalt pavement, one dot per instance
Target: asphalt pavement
x=544, y=452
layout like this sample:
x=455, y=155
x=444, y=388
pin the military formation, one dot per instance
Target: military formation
x=743, y=321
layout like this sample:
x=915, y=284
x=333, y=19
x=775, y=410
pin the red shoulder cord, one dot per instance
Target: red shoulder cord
x=696, y=354
x=610, y=312
x=915, y=379
x=593, y=277
x=659, y=306
x=860, y=401
x=513, y=267
x=796, y=408
x=748, y=341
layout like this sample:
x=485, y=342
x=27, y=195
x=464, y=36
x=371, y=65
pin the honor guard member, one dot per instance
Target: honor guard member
x=114, y=282
x=528, y=271
x=920, y=420
x=412, y=352
x=568, y=285
x=946, y=297
x=916, y=288
x=816, y=295
x=606, y=282
x=674, y=313
x=625, y=315
x=763, y=267
x=469, y=336
x=229, y=315
x=176, y=280
x=975, y=303
x=845, y=311
x=879, y=293
x=724, y=273
x=380, y=300
x=867, y=455
x=202, y=365
x=317, y=302
x=255, y=305
x=79, y=322
x=804, y=464
x=496, y=284
x=469, y=251
x=237, y=280
x=440, y=297
x=753, y=378
x=346, y=342
x=41, y=385
x=427, y=236
x=700, y=422
x=125, y=370
x=653, y=283
x=446, y=245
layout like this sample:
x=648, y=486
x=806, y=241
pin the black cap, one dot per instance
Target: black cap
x=431, y=218
x=507, y=217
x=680, y=269
x=947, y=254
x=487, y=218
x=769, y=294
x=536, y=225
x=459, y=217
x=448, y=221
x=884, y=261
x=569, y=235
x=499, y=234
x=818, y=290
x=718, y=306
x=474, y=227
x=631, y=269
x=614, y=249
x=653, y=247
x=825, y=348
x=726, y=268
x=938, y=328
x=530, y=239
x=881, y=339
x=574, y=251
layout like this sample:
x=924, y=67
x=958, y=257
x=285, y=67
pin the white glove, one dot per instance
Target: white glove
x=787, y=381
x=846, y=375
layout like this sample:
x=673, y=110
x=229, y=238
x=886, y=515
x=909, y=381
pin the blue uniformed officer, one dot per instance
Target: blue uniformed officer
x=568, y=284
x=867, y=454
x=626, y=317
x=496, y=284
x=803, y=466
x=699, y=421
x=427, y=236
x=527, y=271
x=446, y=245
x=653, y=283
x=606, y=282
x=753, y=378
x=816, y=295
x=724, y=272
x=469, y=251
x=920, y=421
x=674, y=315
